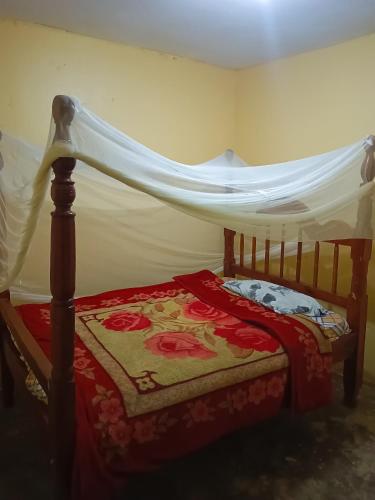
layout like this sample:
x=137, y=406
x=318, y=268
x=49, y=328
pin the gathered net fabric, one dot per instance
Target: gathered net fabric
x=124, y=237
x=142, y=217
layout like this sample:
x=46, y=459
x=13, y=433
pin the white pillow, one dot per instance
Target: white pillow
x=278, y=298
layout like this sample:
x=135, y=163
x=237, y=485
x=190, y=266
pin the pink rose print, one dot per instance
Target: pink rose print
x=200, y=411
x=203, y=312
x=120, y=433
x=126, y=322
x=111, y=410
x=275, y=387
x=145, y=431
x=177, y=345
x=310, y=346
x=239, y=399
x=116, y=301
x=82, y=307
x=257, y=391
x=140, y=296
x=317, y=364
x=214, y=284
x=79, y=352
x=81, y=363
x=249, y=337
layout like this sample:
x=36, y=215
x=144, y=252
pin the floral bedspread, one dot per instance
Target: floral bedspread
x=309, y=350
x=161, y=371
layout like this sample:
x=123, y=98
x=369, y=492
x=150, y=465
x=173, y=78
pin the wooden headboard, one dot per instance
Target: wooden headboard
x=352, y=346
x=355, y=302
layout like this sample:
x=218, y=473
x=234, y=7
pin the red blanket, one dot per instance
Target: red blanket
x=310, y=369
x=160, y=373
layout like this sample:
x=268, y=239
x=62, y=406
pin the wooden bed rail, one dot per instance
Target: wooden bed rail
x=247, y=266
x=11, y=321
x=11, y=324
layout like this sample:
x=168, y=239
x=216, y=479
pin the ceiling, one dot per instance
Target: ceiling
x=228, y=33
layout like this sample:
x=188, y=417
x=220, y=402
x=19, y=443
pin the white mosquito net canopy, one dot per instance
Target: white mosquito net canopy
x=137, y=211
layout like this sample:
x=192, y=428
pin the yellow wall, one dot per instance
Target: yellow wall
x=181, y=108
x=308, y=104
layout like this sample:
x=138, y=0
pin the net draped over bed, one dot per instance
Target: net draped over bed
x=328, y=196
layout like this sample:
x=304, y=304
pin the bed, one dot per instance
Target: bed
x=137, y=400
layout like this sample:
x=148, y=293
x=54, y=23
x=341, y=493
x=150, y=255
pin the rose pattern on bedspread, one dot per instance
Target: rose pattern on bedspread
x=308, y=349
x=175, y=345
x=199, y=311
x=317, y=366
x=171, y=348
x=118, y=433
x=248, y=337
x=82, y=363
x=134, y=414
x=126, y=321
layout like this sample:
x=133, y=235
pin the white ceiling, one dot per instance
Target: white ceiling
x=229, y=33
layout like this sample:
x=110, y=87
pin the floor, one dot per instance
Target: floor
x=325, y=455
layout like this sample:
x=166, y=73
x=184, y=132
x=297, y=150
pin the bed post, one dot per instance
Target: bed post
x=7, y=381
x=229, y=259
x=62, y=281
x=6, y=377
x=358, y=300
x=357, y=319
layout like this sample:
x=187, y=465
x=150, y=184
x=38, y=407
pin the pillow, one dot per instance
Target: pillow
x=278, y=298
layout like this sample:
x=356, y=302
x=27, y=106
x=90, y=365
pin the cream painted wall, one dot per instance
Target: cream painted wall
x=309, y=104
x=181, y=108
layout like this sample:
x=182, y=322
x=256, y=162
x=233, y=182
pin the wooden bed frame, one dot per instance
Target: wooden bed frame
x=57, y=376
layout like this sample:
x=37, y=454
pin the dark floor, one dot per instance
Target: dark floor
x=325, y=455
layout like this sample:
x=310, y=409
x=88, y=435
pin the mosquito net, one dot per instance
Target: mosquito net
x=152, y=217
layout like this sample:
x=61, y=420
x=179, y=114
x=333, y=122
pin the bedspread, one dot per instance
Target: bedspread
x=308, y=349
x=163, y=370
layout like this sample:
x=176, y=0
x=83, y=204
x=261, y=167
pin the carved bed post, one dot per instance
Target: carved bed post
x=357, y=319
x=62, y=280
x=358, y=299
x=229, y=259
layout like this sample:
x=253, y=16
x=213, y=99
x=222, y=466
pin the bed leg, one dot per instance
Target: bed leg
x=229, y=259
x=352, y=376
x=357, y=319
x=7, y=381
